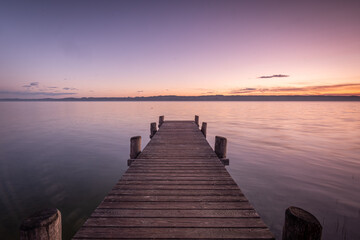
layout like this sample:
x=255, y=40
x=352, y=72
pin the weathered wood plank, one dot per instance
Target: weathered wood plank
x=169, y=192
x=173, y=222
x=180, y=213
x=174, y=233
x=176, y=188
x=175, y=205
x=199, y=198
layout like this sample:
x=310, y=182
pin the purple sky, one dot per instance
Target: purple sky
x=143, y=48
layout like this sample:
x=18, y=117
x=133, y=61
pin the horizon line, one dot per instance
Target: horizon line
x=201, y=98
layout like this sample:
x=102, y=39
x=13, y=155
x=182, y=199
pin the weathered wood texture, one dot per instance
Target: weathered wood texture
x=176, y=188
x=42, y=225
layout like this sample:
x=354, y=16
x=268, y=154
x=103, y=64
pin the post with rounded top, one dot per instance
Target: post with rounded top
x=153, y=129
x=42, y=225
x=203, y=128
x=197, y=120
x=161, y=120
x=135, y=146
x=300, y=224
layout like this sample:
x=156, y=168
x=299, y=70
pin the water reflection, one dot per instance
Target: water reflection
x=69, y=155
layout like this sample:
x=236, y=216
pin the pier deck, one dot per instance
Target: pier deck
x=177, y=188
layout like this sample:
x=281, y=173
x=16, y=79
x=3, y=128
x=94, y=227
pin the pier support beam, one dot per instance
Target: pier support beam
x=135, y=146
x=197, y=120
x=203, y=128
x=300, y=224
x=42, y=225
x=153, y=129
x=135, y=149
x=161, y=120
x=220, y=149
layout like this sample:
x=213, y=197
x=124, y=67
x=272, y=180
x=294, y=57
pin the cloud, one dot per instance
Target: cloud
x=210, y=92
x=275, y=76
x=31, y=85
x=67, y=88
x=340, y=89
x=52, y=87
x=140, y=91
x=27, y=93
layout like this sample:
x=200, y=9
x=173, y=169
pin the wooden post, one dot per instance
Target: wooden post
x=197, y=120
x=300, y=224
x=135, y=146
x=220, y=146
x=161, y=120
x=203, y=128
x=42, y=225
x=153, y=129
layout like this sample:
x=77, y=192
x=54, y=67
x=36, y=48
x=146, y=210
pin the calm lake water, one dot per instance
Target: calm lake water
x=70, y=154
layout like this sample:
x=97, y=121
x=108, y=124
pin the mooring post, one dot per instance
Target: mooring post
x=197, y=120
x=135, y=148
x=300, y=224
x=220, y=149
x=153, y=129
x=42, y=225
x=161, y=120
x=203, y=128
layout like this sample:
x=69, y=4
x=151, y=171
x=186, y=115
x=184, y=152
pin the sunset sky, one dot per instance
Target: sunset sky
x=149, y=48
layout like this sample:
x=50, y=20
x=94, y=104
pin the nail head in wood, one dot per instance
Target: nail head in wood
x=203, y=128
x=300, y=224
x=220, y=146
x=153, y=129
x=42, y=225
x=161, y=120
x=135, y=146
x=197, y=120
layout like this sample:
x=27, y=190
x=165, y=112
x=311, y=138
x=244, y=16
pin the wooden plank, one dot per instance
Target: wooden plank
x=199, y=198
x=175, y=205
x=174, y=233
x=181, y=213
x=173, y=222
x=176, y=188
x=169, y=192
x=179, y=182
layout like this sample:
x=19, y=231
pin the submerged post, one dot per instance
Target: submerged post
x=197, y=120
x=220, y=149
x=203, y=128
x=42, y=225
x=153, y=129
x=161, y=120
x=135, y=146
x=300, y=224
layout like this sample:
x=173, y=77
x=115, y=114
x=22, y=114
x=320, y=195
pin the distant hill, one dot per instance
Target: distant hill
x=198, y=98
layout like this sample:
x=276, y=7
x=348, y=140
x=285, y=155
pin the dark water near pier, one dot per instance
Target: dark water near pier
x=70, y=154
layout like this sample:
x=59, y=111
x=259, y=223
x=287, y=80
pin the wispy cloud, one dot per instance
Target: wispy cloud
x=35, y=89
x=275, y=76
x=140, y=91
x=31, y=85
x=68, y=88
x=337, y=89
x=27, y=93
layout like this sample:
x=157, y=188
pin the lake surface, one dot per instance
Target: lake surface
x=70, y=154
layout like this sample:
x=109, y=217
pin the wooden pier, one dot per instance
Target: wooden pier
x=176, y=188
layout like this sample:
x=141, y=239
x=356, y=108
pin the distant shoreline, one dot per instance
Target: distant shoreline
x=188, y=98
